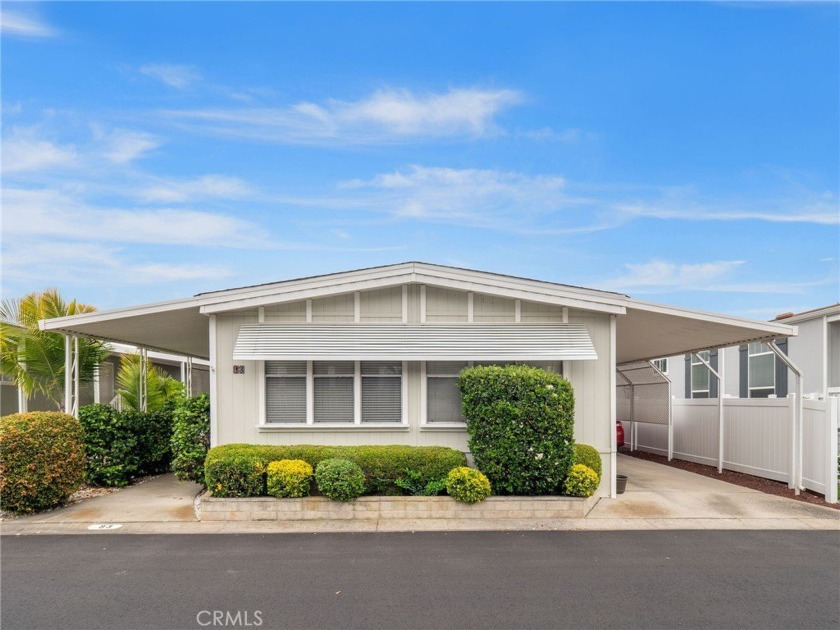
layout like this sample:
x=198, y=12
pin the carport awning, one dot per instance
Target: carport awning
x=414, y=342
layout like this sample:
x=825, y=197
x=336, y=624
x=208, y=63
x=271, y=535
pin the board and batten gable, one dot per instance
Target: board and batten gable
x=239, y=411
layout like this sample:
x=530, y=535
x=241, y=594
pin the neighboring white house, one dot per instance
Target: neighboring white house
x=104, y=388
x=371, y=356
x=752, y=371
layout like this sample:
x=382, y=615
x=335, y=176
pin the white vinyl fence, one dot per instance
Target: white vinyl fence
x=758, y=434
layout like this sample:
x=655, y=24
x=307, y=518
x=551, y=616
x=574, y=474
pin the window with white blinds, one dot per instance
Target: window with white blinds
x=333, y=387
x=443, y=399
x=285, y=392
x=381, y=391
x=334, y=391
x=700, y=376
x=761, y=371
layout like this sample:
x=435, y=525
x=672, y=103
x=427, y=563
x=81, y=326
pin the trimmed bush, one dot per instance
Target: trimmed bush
x=111, y=445
x=240, y=477
x=588, y=456
x=43, y=460
x=520, y=422
x=340, y=479
x=382, y=465
x=467, y=485
x=121, y=445
x=581, y=481
x=414, y=484
x=191, y=438
x=290, y=478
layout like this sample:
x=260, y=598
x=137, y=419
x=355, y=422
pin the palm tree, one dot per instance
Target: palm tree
x=33, y=358
x=160, y=388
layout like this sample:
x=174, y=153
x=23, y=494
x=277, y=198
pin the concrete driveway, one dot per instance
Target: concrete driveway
x=157, y=500
x=659, y=497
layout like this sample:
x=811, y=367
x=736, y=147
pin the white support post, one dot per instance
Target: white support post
x=717, y=375
x=97, y=393
x=612, y=416
x=470, y=306
x=189, y=377
x=75, y=411
x=214, y=393
x=422, y=303
x=831, y=473
x=144, y=382
x=795, y=480
x=68, y=374
x=404, y=304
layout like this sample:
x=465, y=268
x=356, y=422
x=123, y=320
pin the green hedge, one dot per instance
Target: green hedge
x=190, y=437
x=382, y=465
x=43, y=460
x=520, y=422
x=122, y=445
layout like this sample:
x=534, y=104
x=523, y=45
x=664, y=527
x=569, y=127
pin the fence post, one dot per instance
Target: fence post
x=833, y=423
x=792, y=475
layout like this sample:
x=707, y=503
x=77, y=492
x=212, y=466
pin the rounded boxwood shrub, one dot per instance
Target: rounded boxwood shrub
x=43, y=460
x=288, y=478
x=237, y=476
x=581, y=481
x=520, y=422
x=190, y=437
x=340, y=479
x=588, y=456
x=467, y=485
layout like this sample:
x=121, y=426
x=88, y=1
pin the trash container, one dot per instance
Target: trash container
x=620, y=483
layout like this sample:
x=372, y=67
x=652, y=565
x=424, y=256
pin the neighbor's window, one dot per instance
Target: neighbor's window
x=285, y=391
x=443, y=400
x=761, y=370
x=333, y=391
x=661, y=365
x=700, y=376
x=381, y=391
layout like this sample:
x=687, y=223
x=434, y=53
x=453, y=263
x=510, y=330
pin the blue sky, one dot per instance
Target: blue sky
x=680, y=153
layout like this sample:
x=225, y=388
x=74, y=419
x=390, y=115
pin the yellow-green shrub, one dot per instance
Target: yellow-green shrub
x=43, y=460
x=467, y=485
x=581, y=481
x=288, y=478
x=588, y=456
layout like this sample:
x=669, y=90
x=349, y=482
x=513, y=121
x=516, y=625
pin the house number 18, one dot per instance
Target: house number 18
x=239, y=369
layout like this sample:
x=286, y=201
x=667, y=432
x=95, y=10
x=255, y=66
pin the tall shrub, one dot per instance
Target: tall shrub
x=112, y=445
x=191, y=437
x=520, y=422
x=43, y=460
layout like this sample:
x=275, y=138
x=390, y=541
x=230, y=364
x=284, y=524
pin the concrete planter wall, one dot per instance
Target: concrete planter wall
x=396, y=508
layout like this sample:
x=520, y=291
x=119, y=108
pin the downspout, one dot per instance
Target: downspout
x=720, y=403
x=796, y=434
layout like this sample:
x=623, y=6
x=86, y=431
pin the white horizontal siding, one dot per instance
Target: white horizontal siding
x=409, y=342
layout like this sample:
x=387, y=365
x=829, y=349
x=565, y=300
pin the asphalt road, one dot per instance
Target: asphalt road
x=664, y=579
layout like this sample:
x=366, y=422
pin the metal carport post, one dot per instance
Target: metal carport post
x=719, y=377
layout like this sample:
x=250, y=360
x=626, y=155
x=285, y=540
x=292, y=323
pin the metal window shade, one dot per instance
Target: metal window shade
x=333, y=399
x=445, y=368
x=285, y=399
x=381, y=368
x=381, y=399
x=285, y=368
x=762, y=369
x=443, y=400
x=414, y=342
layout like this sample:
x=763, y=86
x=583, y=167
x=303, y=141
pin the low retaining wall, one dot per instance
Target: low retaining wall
x=377, y=508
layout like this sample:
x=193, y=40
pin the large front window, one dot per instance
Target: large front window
x=333, y=392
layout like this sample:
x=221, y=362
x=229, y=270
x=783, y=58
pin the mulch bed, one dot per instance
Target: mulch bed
x=739, y=479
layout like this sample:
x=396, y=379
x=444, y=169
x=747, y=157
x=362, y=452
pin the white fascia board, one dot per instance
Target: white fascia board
x=59, y=323
x=769, y=329
x=477, y=282
x=834, y=309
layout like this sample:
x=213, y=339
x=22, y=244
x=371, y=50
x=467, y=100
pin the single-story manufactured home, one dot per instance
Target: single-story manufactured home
x=371, y=356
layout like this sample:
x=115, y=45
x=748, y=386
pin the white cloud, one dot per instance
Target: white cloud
x=23, y=23
x=174, y=75
x=23, y=151
x=60, y=214
x=384, y=116
x=121, y=145
x=204, y=187
x=661, y=276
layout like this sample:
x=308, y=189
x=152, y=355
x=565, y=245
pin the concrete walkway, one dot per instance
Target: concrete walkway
x=658, y=497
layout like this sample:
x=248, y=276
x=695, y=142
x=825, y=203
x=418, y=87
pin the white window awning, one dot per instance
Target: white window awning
x=414, y=342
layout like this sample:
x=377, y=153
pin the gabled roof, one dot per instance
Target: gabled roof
x=644, y=330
